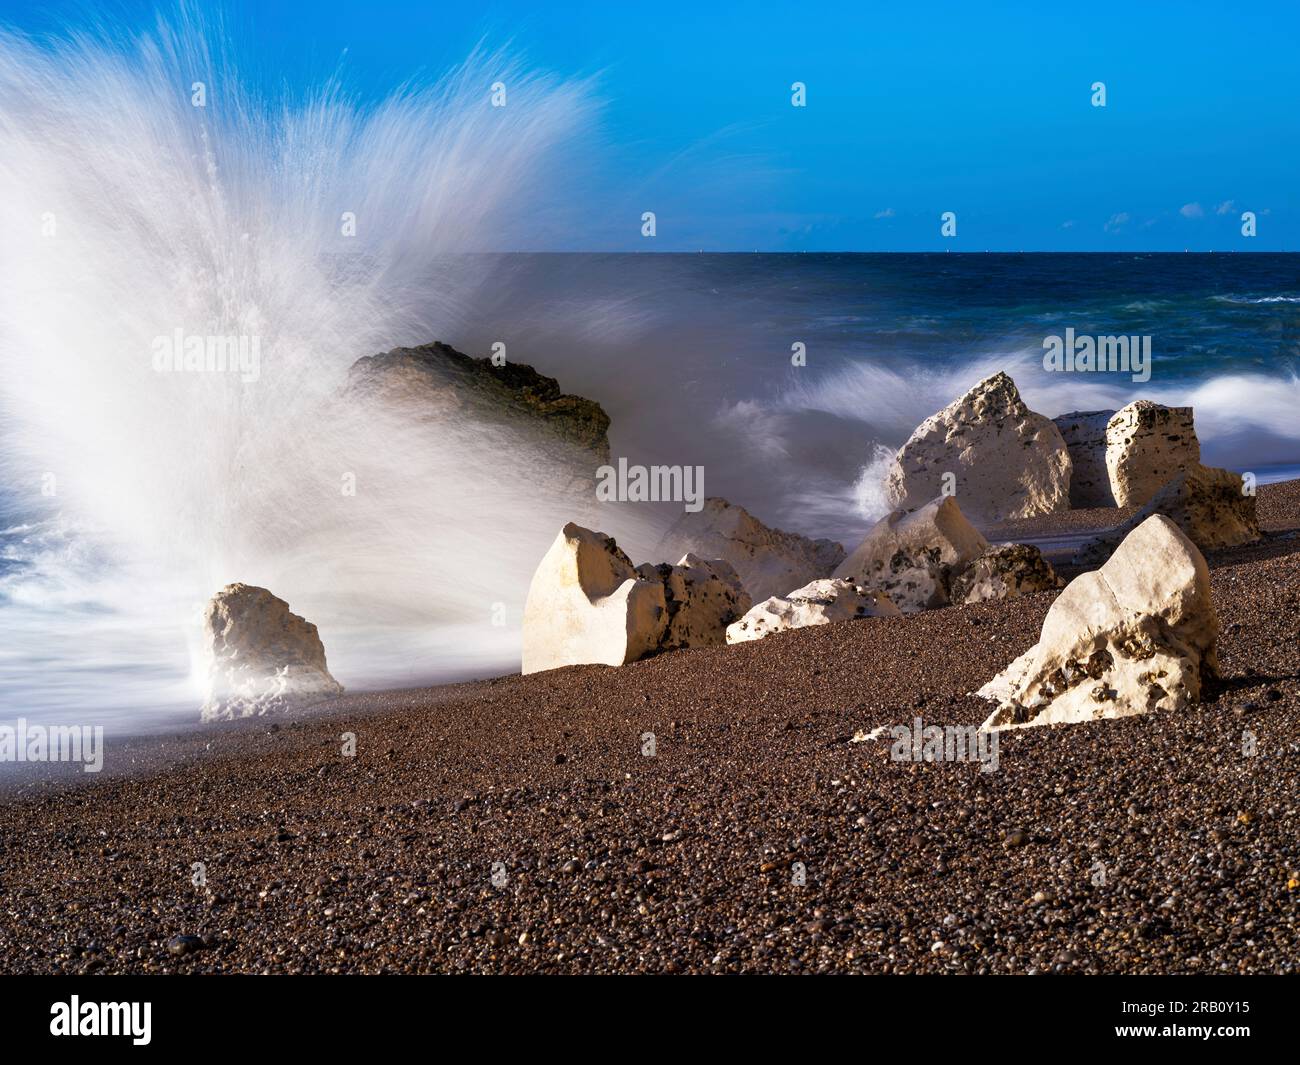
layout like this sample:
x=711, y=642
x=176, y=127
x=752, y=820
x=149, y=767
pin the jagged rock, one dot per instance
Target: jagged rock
x=587, y=604
x=817, y=603
x=437, y=377
x=768, y=561
x=1004, y=572
x=262, y=658
x=913, y=557
x=1122, y=458
x=1207, y=503
x=1134, y=636
x=1005, y=460
x=703, y=597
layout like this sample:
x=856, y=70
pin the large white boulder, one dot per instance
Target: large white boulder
x=1146, y=446
x=1004, y=571
x=1134, y=636
x=818, y=603
x=262, y=658
x=1005, y=461
x=1210, y=505
x=913, y=557
x=587, y=605
x=1122, y=458
x=768, y=561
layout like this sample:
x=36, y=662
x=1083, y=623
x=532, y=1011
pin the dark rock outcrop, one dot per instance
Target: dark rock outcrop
x=437, y=379
x=1005, y=571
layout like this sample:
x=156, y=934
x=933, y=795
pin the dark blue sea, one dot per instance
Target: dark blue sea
x=691, y=354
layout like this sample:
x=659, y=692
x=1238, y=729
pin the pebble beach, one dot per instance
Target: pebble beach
x=719, y=809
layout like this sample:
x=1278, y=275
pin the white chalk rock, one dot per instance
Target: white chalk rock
x=587, y=605
x=702, y=597
x=913, y=557
x=262, y=657
x=1210, y=505
x=817, y=603
x=768, y=561
x=1122, y=458
x=1146, y=446
x=1134, y=636
x=1004, y=572
x=1005, y=461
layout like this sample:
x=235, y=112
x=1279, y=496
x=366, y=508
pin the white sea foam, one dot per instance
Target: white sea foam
x=869, y=488
x=1244, y=421
x=895, y=401
x=1256, y=299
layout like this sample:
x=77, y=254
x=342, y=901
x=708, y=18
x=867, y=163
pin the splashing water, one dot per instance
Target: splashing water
x=128, y=495
x=134, y=216
x=869, y=490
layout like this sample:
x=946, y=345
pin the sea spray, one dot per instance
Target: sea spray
x=869, y=489
x=148, y=191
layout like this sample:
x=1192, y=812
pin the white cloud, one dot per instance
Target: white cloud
x=1068, y=225
x=1116, y=221
x=888, y=212
x=1192, y=210
x=1226, y=207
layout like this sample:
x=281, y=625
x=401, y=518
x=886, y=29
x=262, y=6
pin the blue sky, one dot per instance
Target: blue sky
x=912, y=110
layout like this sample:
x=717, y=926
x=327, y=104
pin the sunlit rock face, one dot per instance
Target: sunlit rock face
x=914, y=557
x=1004, y=572
x=263, y=658
x=991, y=451
x=587, y=605
x=1135, y=636
x=1211, y=506
x=1123, y=458
x=702, y=597
x=817, y=603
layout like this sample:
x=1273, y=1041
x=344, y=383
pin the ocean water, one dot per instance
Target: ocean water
x=691, y=356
